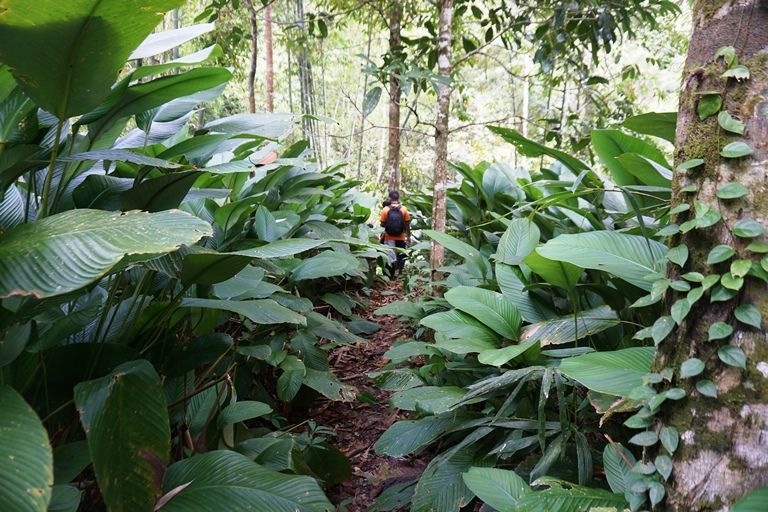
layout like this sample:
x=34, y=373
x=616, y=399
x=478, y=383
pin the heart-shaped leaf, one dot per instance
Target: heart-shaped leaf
x=732, y=356
x=719, y=330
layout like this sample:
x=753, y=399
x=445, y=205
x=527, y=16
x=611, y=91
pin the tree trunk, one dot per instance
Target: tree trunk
x=270, y=67
x=251, y=81
x=362, y=112
x=441, y=129
x=395, y=93
x=723, y=450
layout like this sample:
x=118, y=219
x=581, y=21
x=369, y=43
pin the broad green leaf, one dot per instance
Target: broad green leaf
x=265, y=311
x=646, y=171
x=732, y=191
x=728, y=53
x=610, y=144
x=669, y=439
x=69, y=460
x=441, y=486
x=629, y=257
x=728, y=123
x=66, y=55
x=719, y=254
x=326, y=264
x=758, y=246
x=678, y=255
x=731, y=281
x=732, y=356
x=491, y=308
x=657, y=124
x=558, y=273
x=125, y=418
x=614, y=373
x=530, y=148
x=661, y=328
x=26, y=461
x=736, y=149
x=680, y=310
x=709, y=105
x=464, y=346
x=739, y=72
x=408, y=436
x=719, y=330
x=371, y=99
x=748, y=228
x=566, y=329
x=281, y=248
x=242, y=411
x=617, y=471
x=225, y=480
x=460, y=248
x=208, y=268
x=566, y=497
x=67, y=251
x=691, y=367
x=455, y=324
x=431, y=399
x=707, y=388
x=740, y=268
x=749, y=314
x=501, y=356
x=513, y=289
x=498, y=488
x=65, y=499
x=160, y=42
x=517, y=242
x=647, y=438
x=753, y=501
x=690, y=164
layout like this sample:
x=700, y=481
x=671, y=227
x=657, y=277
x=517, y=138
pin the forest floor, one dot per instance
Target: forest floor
x=358, y=424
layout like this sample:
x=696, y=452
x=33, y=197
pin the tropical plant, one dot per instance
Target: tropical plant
x=533, y=340
x=159, y=276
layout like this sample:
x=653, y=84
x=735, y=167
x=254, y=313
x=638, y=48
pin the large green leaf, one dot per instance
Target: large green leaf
x=500, y=356
x=441, y=487
x=65, y=252
x=455, y=324
x=491, y=308
x=530, y=148
x=125, y=418
x=517, y=242
x=265, y=311
x=326, y=264
x=566, y=329
x=617, y=471
x=565, y=497
x=432, y=399
x=225, y=480
x=629, y=257
x=26, y=461
x=281, y=248
x=460, y=248
x=513, y=289
x=498, y=488
x=610, y=144
x=409, y=436
x=556, y=272
x=754, y=501
x=657, y=124
x=613, y=373
x=66, y=55
x=161, y=42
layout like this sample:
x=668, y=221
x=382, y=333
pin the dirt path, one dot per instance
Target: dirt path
x=358, y=425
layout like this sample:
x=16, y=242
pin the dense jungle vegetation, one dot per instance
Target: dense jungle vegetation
x=197, y=313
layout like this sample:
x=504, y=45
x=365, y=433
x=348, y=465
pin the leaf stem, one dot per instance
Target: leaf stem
x=49, y=177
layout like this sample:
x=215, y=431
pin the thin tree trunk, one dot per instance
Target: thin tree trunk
x=290, y=81
x=270, y=67
x=437, y=253
x=362, y=112
x=254, y=56
x=723, y=450
x=395, y=93
x=175, y=23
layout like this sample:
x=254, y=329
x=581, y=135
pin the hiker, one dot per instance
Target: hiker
x=396, y=220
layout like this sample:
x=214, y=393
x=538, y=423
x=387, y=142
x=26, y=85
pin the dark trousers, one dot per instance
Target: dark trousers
x=400, y=261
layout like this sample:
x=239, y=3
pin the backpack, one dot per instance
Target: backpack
x=395, y=224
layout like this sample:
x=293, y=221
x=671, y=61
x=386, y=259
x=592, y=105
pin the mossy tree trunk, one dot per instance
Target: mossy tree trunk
x=723, y=450
x=440, y=177
x=395, y=94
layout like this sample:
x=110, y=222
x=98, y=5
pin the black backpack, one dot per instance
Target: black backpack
x=395, y=224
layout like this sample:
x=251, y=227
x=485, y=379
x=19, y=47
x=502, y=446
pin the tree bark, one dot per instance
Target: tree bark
x=723, y=450
x=251, y=81
x=362, y=112
x=440, y=177
x=270, y=67
x=395, y=94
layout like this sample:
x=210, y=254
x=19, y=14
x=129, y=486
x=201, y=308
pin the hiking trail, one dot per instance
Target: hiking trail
x=358, y=424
